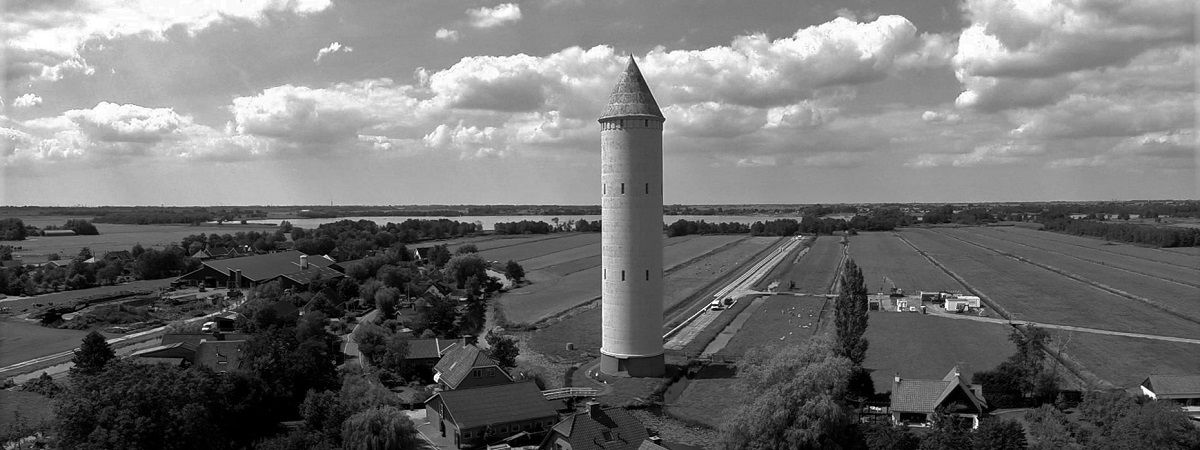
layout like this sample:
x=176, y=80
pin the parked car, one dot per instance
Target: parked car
x=208, y=327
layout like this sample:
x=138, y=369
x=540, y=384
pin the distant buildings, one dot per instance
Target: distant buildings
x=291, y=268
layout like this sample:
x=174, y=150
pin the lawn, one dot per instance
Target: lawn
x=1035, y=294
x=708, y=401
x=30, y=407
x=925, y=346
x=781, y=320
x=1183, y=298
x=882, y=254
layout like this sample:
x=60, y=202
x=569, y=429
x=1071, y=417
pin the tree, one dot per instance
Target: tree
x=92, y=355
x=1050, y=429
x=462, y=267
x=372, y=341
x=382, y=428
x=503, y=349
x=386, y=300
x=1023, y=375
x=997, y=434
x=43, y=385
x=514, y=271
x=466, y=249
x=439, y=255
x=795, y=400
x=85, y=254
x=12, y=229
x=885, y=436
x=850, y=314
x=946, y=433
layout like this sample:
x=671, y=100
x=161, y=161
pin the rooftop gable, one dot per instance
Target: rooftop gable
x=1173, y=386
x=925, y=396
x=494, y=405
x=603, y=429
x=457, y=363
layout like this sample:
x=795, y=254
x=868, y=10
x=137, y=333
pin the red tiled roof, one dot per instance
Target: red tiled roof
x=265, y=267
x=493, y=405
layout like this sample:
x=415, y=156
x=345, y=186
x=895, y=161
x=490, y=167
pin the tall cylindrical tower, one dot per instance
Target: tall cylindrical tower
x=631, y=171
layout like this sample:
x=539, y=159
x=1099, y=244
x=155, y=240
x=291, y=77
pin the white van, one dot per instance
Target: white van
x=208, y=327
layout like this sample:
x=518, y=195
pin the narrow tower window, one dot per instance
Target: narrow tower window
x=622, y=275
x=647, y=123
x=603, y=188
x=647, y=188
x=604, y=275
x=622, y=188
x=647, y=274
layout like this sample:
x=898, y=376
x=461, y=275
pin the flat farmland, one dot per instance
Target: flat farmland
x=1035, y=294
x=552, y=292
x=1126, y=361
x=782, y=320
x=707, y=400
x=504, y=250
x=1099, y=255
x=682, y=281
x=814, y=272
x=927, y=346
x=22, y=341
x=1178, y=294
x=114, y=237
x=882, y=254
x=1181, y=256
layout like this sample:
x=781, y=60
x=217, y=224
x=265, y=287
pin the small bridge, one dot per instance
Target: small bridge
x=569, y=392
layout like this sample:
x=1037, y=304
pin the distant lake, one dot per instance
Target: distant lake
x=489, y=222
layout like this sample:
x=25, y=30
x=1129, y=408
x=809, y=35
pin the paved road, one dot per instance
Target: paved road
x=351, y=346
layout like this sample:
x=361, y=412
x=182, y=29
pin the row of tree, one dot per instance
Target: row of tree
x=1158, y=236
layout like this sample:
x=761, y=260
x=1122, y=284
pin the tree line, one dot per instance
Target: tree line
x=1158, y=236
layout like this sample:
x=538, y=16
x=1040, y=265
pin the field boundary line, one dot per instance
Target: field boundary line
x=1076, y=369
x=1100, y=263
x=665, y=272
x=1110, y=251
x=1081, y=279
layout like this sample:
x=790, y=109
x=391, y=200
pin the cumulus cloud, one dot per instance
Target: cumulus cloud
x=444, y=34
x=43, y=40
x=498, y=15
x=333, y=47
x=27, y=100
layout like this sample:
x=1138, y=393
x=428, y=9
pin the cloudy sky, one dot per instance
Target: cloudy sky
x=266, y=102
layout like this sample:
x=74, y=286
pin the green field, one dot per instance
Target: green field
x=1035, y=294
x=882, y=254
x=781, y=320
x=22, y=341
x=925, y=346
x=814, y=272
x=1127, y=361
x=1173, y=287
x=115, y=237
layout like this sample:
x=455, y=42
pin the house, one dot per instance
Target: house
x=425, y=353
x=292, y=268
x=467, y=366
x=915, y=401
x=482, y=415
x=214, y=351
x=598, y=429
x=1181, y=389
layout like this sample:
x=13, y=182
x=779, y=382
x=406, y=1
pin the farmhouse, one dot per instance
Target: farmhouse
x=915, y=401
x=482, y=415
x=195, y=350
x=425, y=353
x=467, y=366
x=961, y=302
x=292, y=268
x=597, y=429
x=1181, y=389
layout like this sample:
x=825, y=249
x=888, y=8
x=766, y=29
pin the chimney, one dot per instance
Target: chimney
x=304, y=262
x=896, y=380
x=232, y=279
x=593, y=409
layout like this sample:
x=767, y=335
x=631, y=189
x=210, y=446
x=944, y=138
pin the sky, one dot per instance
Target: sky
x=390, y=102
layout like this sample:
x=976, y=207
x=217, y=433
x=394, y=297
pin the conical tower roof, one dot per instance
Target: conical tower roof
x=631, y=97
